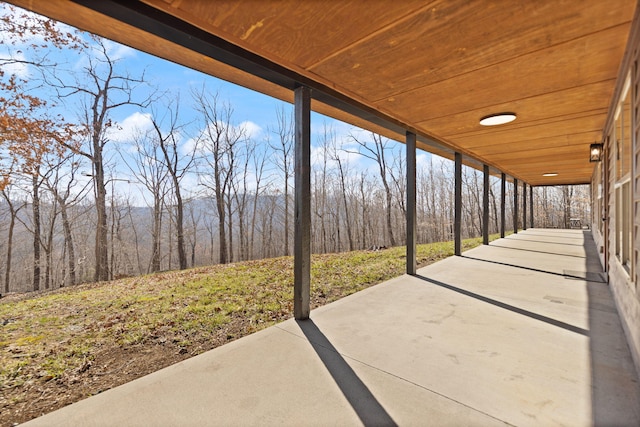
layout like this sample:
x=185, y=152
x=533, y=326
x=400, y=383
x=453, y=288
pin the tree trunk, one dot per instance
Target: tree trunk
x=254, y=216
x=363, y=201
x=241, y=206
x=135, y=240
x=112, y=239
x=68, y=240
x=36, y=232
x=12, y=222
x=566, y=201
x=212, y=243
x=7, y=273
x=48, y=247
x=284, y=149
x=101, y=272
x=346, y=205
x=222, y=244
x=182, y=256
x=101, y=81
x=286, y=214
x=495, y=209
x=387, y=190
x=377, y=155
x=155, y=236
x=230, y=220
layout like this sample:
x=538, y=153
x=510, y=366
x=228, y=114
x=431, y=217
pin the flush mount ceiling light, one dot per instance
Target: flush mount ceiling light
x=497, y=119
x=550, y=174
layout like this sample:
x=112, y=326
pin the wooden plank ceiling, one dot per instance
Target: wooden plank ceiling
x=435, y=66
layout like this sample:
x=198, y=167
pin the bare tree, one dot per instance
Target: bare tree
x=398, y=178
x=195, y=215
x=378, y=154
x=567, y=195
x=151, y=171
x=241, y=189
x=177, y=166
x=36, y=224
x=343, y=176
x=283, y=148
x=218, y=140
x=495, y=209
x=320, y=185
x=134, y=229
x=102, y=88
x=47, y=241
x=210, y=226
x=364, y=207
x=473, y=207
x=63, y=187
x=259, y=162
x=268, y=213
x=14, y=209
x=119, y=259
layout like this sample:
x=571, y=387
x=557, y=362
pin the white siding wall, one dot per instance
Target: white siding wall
x=623, y=281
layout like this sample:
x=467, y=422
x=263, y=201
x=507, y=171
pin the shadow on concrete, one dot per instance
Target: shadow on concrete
x=569, y=274
x=556, y=235
x=615, y=396
x=509, y=307
x=550, y=243
x=364, y=403
x=605, y=349
x=531, y=250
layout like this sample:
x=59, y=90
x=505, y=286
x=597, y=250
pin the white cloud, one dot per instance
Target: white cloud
x=13, y=65
x=251, y=129
x=348, y=158
x=114, y=51
x=247, y=129
x=117, y=51
x=337, y=128
x=317, y=155
x=357, y=133
x=189, y=185
x=188, y=147
x=126, y=130
x=440, y=162
x=423, y=160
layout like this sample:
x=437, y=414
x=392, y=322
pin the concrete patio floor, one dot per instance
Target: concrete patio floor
x=521, y=332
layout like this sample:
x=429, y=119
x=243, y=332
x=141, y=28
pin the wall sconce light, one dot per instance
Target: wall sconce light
x=595, y=152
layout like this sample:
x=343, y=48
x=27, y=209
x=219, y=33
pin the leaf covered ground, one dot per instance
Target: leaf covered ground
x=59, y=347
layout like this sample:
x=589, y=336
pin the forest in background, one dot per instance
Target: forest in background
x=84, y=199
x=351, y=219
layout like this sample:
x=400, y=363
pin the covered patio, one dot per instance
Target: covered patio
x=523, y=331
